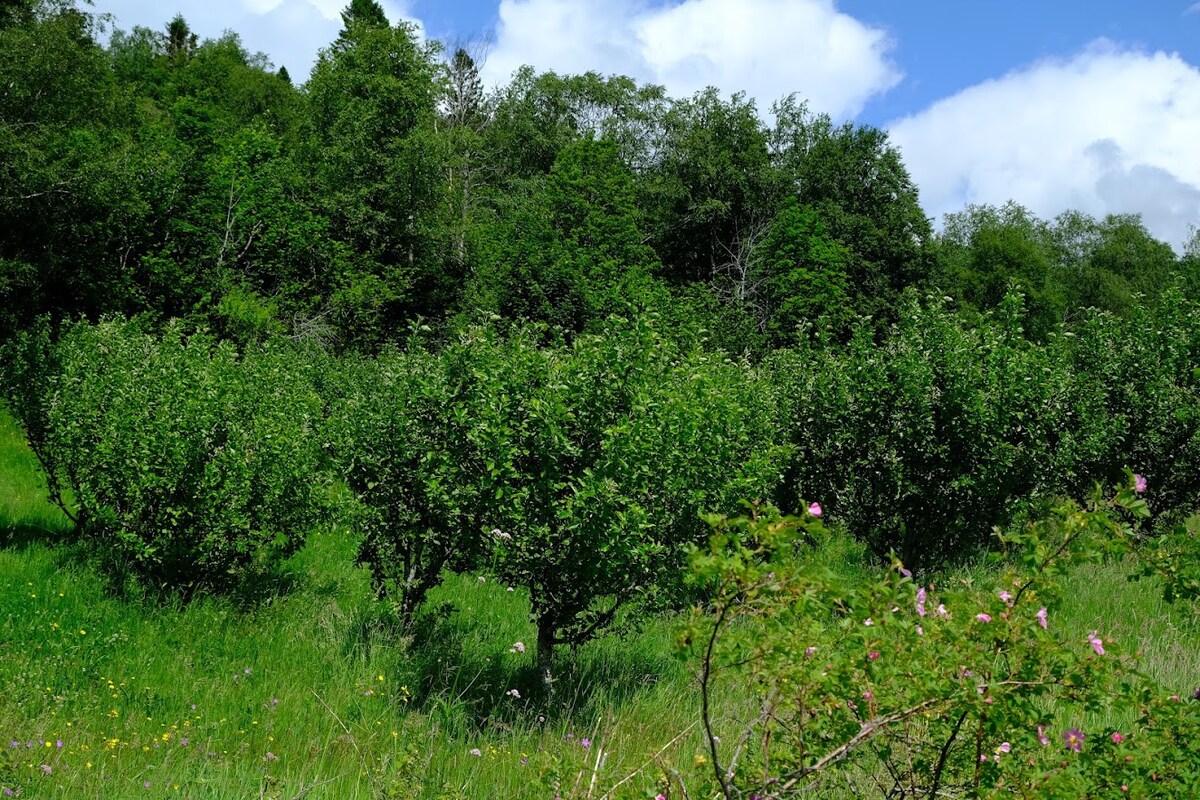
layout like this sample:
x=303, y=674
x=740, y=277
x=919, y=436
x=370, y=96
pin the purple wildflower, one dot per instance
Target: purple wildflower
x=1096, y=643
x=1074, y=739
x=984, y=617
x=1041, y=617
x=1139, y=484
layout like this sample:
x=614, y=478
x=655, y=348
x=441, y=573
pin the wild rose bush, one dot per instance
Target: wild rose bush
x=888, y=685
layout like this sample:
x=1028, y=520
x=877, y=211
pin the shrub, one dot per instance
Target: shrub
x=185, y=465
x=964, y=689
x=924, y=442
x=576, y=471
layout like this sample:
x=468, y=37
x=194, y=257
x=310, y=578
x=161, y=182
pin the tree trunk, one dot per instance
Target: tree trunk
x=545, y=653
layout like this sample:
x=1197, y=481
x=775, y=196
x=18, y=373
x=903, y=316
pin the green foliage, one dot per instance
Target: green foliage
x=985, y=252
x=371, y=109
x=577, y=472
x=188, y=466
x=923, y=443
x=855, y=180
x=806, y=280
x=965, y=689
x=569, y=251
x=711, y=185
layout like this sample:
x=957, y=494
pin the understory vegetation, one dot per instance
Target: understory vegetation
x=382, y=436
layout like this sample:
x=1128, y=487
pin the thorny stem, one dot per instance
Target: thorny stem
x=705, y=675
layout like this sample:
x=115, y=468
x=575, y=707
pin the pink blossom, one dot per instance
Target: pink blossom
x=475, y=751
x=1041, y=617
x=1139, y=484
x=1096, y=643
x=518, y=647
x=1005, y=747
x=920, y=631
x=921, y=601
x=1042, y=736
x=873, y=655
x=1074, y=739
x=814, y=510
x=1117, y=738
x=984, y=617
x=1006, y=597
x=808, y=651
x=868, y=622
x=942, y=612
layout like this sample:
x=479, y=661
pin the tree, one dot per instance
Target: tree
x=361, y=13
x=379, y=168
x=805, y=280
x=1107, y=263
x=570, y=250
x=711, y=186
x=855, y=180
x=179, y=41
x=986, y=251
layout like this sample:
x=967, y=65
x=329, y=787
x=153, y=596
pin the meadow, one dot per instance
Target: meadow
x=313, y=693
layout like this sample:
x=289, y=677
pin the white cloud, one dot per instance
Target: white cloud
x=767, y=48
x=1106, y=131
x=289, y=31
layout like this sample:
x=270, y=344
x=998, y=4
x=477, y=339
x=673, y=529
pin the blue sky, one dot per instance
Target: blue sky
x=1092, y=105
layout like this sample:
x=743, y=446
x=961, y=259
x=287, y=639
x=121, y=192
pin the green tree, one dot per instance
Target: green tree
x=805, y=280
x=360, y=13
x=1108, y=263
x=371, y=115
x=571, y=251
x=855, y=180
x=711, y=187
x=985, y=251
x=179, y=41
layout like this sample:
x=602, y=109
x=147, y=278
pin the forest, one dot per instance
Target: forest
x=378, y=433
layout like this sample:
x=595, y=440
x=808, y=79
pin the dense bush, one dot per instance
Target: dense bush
x=185, y=464
x=923, y=441
x=578, y=472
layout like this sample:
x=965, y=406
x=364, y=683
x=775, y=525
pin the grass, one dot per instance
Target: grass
x=313, y=694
